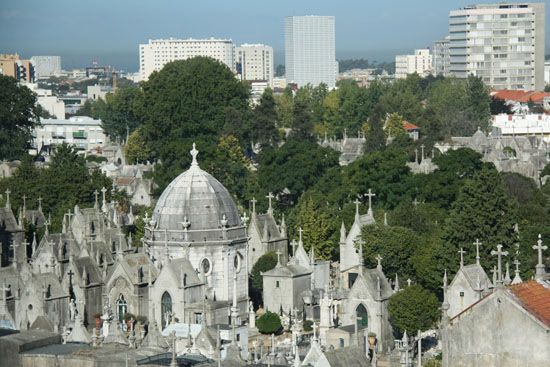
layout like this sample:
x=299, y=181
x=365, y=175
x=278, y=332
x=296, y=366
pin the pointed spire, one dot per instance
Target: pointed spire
x=396, y=284
x=8, y=204
x=445, y=305
x=34, y=243
x=194, y=152
x=517, y=278
x=507, y=279
x=253, y=202
x=269, y=197
x=461, y=252
x=283, y=226
x=342, y=233
x=385, y=218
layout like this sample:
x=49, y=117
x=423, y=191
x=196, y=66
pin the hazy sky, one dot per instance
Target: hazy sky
x=110, y=31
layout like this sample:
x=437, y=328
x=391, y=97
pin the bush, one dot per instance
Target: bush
x=412, y=309
x=308, y=325
x=269, y=323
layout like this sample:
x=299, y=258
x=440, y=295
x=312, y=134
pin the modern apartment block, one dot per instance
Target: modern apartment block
x=157, y=53
x=420, y=62
x=440, y=57
x=12, y=65
x=310, y=56
x=46, y=66
x=255, y=62
x=502, y=43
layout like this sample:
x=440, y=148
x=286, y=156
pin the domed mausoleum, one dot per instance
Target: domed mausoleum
x=196, y=227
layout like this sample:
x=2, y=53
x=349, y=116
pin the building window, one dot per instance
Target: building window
x=122, y=308
x=166, y=308
x=342, y=343
x=206, y=266
x=461, y=294
x=362, y=316
x=277, y=284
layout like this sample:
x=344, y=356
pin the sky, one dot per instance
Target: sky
x=109, y=31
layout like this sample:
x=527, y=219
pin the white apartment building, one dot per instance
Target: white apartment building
x=523, y=124
x=547, y=72
x=420, y=62
x=83, y=132
x=46, y=66
x=440, y=57
x=310, y=56
x=501, y=43
x=255, y=62
x=157, y=53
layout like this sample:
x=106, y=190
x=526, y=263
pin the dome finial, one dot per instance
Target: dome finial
x=194, y=152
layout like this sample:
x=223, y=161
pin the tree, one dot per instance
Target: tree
x=266, y=120
x=269, y=323
x=413, y=308
x=394, y=125
x=499, y=106
x=265, y=262
x=302, y=126
x=123, y=112
x=19, y=114
x=318, y=228
x=482, y=211
x=136, y=149
x=375, y=137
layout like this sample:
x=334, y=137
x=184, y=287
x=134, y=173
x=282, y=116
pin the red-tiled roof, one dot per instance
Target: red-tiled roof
x=408, y=126
x=522, y=96
x=535, y=298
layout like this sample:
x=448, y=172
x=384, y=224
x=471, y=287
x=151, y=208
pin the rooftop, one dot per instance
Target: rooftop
x=535, y=298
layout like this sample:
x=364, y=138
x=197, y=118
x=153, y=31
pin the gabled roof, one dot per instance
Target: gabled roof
x=408, y=126
x=8, y=221
x=262, y=220
x=290, y=270
x=535, y=298
x=521, y=96
x=471, y=273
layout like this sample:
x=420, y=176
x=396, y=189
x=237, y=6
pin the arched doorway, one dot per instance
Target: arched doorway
x=362, y=317
x=122, y=308
x=166, y=308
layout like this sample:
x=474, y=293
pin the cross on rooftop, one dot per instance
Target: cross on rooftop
x=244, y=219
x=300, y=231
x=194, y=152
x=477, y=243
x=379, y=260
x=269, y=197
x=8, y=192
x=422, y=147
x=253, y=201
x=278, y=257
x=499, y=253
x=370, y=194
x=96, y=194
x=516, y=263
x=39, y=203
x=461, y=252
x=539, y=272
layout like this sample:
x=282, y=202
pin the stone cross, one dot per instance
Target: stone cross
x=516, y=263
x=278, y=257
x=409, y=282
x=415, y=202
x=269, y=197
x=293, y=243
x=8, y=192
x=103, y=191
x=194, y=152
x=539, y=273
x=96, y=194
x=172, y=337
x=314, y=327
x=422, y=148
x=416, y=155
x=370, y=194
x=253, y=201
x=379, y=260
x=300, y=231
x=39, y=203
x=499, y=253
x=461, y=252
x=477, y=244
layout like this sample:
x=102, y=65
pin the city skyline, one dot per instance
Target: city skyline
x=111, y=32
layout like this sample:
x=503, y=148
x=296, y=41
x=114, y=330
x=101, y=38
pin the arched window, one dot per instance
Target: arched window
x=166, y=308
x=362, y=316
x=122, y=308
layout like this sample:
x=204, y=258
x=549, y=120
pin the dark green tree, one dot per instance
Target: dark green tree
x=123, y=112
x=265, y=121
x=376, y=139
x=482, y=211
x=413, y=308
x=302, y=126
x=269, y=323
x=19, y=114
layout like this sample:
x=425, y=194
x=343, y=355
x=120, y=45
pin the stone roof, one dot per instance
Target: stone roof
x=154, y=339
x=290, y=270
x=471, y=273
x=36, y=217
x=535, y=298
x=8, y=221
x=199, y=197
x=132, y=264
x=45, y=279
x=346, y=357
x=267, y=219
x=92, y=269
x=183, y=266
x=42, y=323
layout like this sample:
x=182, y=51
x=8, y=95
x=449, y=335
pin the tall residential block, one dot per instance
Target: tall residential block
x=420, y=63
x=440, y=57
x=157, y=53
x=12, y=65
x=46, y=66
x=501, y=43
x=310, y=56
x=255, y=62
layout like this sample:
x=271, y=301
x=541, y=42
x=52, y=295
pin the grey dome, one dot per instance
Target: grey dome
x=197, y=196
